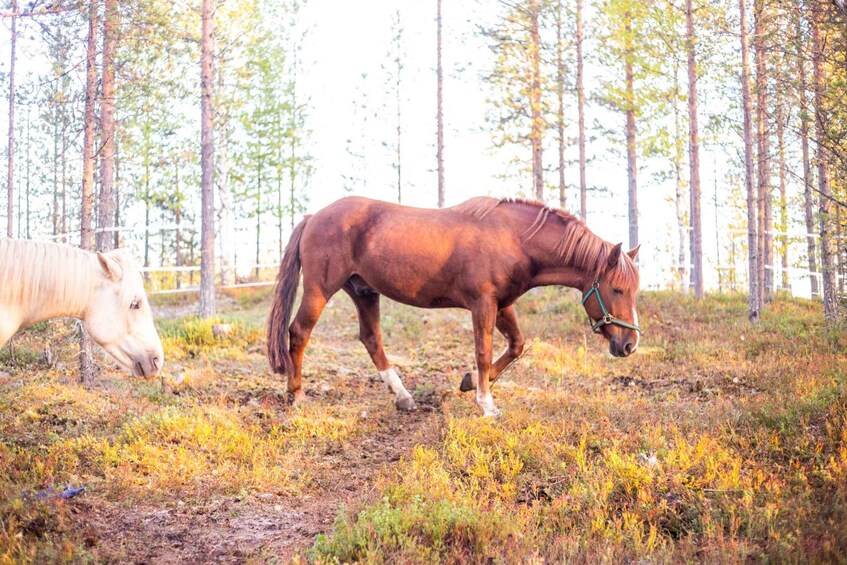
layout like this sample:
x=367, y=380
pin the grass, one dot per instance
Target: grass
x=717, y=441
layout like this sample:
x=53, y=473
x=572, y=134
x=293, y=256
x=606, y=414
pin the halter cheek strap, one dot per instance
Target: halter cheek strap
x=607, y=317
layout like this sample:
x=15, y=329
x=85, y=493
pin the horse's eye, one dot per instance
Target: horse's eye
x=134, y=305
x=617, y=291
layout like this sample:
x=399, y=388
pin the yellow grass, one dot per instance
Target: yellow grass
x=717, y=441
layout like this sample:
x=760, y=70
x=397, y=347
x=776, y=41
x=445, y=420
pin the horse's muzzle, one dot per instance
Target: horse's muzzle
x=622, y=348
x=147, y=367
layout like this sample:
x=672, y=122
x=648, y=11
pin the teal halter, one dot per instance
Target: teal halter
x=607, y=317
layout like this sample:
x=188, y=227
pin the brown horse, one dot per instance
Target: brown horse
x=480, y=255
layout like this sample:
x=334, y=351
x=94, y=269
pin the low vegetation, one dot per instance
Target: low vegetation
x=717, y=441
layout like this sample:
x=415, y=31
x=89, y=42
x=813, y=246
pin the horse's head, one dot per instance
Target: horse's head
x=119, y=317
x=610, y=300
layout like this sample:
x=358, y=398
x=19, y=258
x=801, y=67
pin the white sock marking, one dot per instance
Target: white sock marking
x=486, y=402
x=392, y=381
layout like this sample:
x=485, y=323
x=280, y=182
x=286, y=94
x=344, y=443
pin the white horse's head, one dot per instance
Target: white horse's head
x=119, y=317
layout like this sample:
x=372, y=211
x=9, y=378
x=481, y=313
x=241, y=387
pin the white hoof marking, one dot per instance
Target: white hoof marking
x=393, y=382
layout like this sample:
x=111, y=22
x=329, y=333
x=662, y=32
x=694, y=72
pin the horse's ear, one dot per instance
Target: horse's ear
x=633, y=253
x=110, y=266
x=615, y=255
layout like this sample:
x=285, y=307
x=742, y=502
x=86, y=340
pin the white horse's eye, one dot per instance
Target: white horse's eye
x=134, y=305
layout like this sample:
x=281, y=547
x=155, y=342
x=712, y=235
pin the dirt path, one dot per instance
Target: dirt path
x=263, y=525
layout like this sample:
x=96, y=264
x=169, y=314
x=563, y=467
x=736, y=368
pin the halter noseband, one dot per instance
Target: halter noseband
x=607, y=317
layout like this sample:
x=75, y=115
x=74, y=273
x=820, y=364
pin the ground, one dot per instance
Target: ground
x=717, y=441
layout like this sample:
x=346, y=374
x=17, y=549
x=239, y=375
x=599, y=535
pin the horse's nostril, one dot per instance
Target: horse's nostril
x=155, y=362
x=628, y=348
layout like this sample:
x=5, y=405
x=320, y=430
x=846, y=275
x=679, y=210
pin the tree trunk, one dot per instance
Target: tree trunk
x=56, y=161
x=763, y=157
x=631, y=166
x=10, y=176
x=752, y=224
x=439, y=73
x=258, y=219
x=560, y=111
x=808, y=200
x=828, y=249
x=86, y=362
x=398, y=61
x=178, y=223
x=580, y=96
x=105, y=237
x=226, y=221
x=116, y=243
x=681, y=223
x=785, y=283
x=694, y=154
x=28, y=174
x=207, y=162
x=537, y=129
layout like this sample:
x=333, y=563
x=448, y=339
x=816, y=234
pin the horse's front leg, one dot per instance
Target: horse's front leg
x=484, y=316
x=8, y=327
x=507, y=324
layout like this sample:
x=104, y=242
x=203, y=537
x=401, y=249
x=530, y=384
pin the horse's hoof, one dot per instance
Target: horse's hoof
x=405, y=404
x=297, y=398
x=467, y=383
x=494, y=412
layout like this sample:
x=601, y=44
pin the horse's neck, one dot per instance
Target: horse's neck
x=557, y=250
x=41, y=281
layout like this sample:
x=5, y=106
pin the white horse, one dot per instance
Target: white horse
x=39, y=281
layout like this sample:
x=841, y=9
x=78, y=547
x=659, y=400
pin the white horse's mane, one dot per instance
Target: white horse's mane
x=42, y=273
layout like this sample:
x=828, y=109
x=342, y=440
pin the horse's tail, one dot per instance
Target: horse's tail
x=287, y=282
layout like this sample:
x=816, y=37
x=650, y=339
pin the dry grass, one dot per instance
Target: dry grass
x=716, y=442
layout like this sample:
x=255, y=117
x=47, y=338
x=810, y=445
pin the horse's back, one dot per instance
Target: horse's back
x=413, y=255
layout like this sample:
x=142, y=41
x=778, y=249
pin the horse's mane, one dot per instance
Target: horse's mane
x=578, y=247
x=38, y=273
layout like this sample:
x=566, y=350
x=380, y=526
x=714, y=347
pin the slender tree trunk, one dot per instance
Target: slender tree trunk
x=147, y=197
x=279, y=210
x=537, y=129
x=178, y=222
x=10, y=176
x=580, y=97
x=783, y=197
x=258, y=218
x=694, y=154
x=105, y=237
x=28, y=173
x=631, y=164
x=56, y=161
x=752, y=224
x=763, y=156
x=828, y=249
x=116, y=243
x=560, y=94
x=86, y=361
x=808, y=199
x=225, y=212
x=207, y=161
x=399, y=135
x=439, y=73
x=398, y=62
x=681, y=223
x=64, y=223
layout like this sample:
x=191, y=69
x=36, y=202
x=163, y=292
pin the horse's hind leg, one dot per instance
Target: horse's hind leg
x=367, y=306
x=311, y=306
x=507, y=324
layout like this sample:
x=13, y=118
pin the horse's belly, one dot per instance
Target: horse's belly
x=422, y=292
